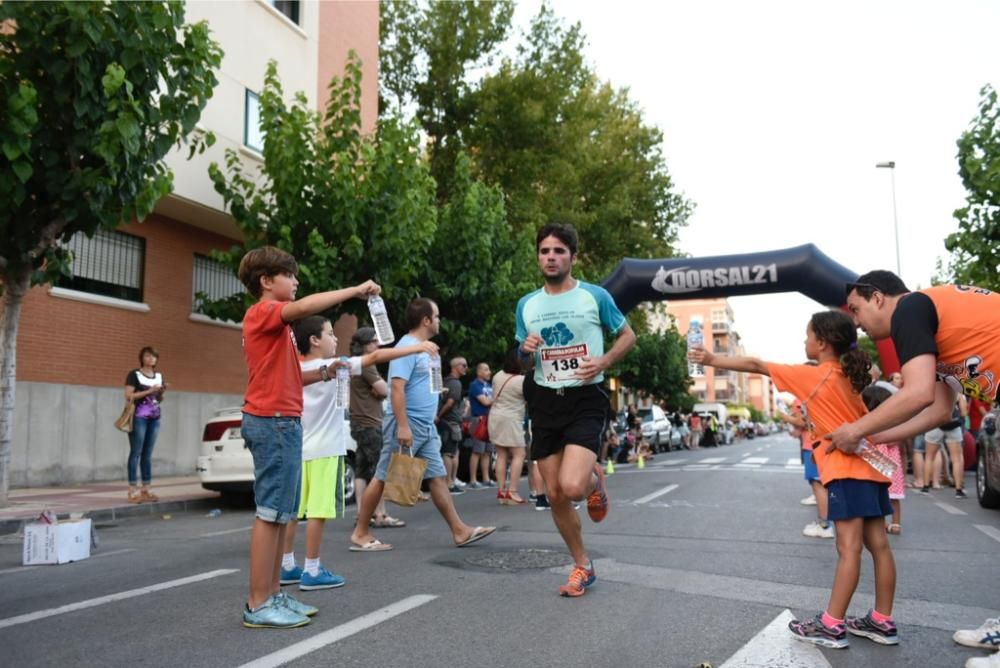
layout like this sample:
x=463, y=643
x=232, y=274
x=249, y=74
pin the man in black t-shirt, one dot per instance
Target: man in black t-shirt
x=947, y=333
x=449, y=421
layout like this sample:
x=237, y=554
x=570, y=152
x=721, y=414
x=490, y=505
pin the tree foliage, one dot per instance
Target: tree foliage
x=349, y=207
x=93, y=95
x=657, y=367
x=975, y=247
x=560, y=143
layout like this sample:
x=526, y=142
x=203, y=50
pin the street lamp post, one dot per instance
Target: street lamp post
x=891, y=166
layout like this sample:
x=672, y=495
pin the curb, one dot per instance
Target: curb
x=16, y=525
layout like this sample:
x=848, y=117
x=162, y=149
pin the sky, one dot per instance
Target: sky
x=774, y=115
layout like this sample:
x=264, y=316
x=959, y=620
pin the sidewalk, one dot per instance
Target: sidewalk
x=103, y=501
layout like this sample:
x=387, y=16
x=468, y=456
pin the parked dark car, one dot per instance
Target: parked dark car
x=988, y=462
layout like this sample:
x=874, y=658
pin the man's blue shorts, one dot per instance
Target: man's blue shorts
x=426, y=445
x=276, y=446
x=850, y=499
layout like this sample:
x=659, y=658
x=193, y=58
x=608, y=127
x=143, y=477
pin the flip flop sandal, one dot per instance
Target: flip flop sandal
x=374, y=545
x=387, y=523
x=477, y=535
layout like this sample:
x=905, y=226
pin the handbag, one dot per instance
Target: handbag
x=403, y=479
x=124, y=421
x=482, y=430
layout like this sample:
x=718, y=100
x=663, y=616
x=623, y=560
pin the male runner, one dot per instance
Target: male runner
x=561, y=331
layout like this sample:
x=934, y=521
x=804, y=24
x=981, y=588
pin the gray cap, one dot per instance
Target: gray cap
x=361, y=338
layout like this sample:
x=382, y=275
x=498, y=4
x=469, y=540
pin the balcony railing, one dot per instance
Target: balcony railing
x=720, y=326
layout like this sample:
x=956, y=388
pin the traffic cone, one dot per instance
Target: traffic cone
x=641, y=464
x=611, y=467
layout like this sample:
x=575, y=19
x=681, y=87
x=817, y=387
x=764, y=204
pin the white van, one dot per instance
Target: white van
x=725, y=436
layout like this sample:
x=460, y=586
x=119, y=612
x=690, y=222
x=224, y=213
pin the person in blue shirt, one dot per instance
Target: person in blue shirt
x=480, y=401
x=409, y=423
x=560, y=328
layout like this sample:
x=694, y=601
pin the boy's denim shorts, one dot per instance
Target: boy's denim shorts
x=426, y=445
x=276, y=446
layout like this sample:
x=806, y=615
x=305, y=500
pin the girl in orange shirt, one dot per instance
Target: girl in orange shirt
x=858, y=494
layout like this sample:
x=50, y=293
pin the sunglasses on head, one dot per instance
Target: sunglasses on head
x=851, y=287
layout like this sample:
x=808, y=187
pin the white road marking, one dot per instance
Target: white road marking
x=992, y=532
x=120, y=596
x=655, y=495
x=755, y=460
x=794, y=463
x=712, y=460
x=671, y=462
x=746, y=466
x=337, y=633
x=223, y=533
x=951, y=510
x=775, y=646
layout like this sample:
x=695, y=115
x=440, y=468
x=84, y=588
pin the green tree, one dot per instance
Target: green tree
x=657, y=367
x=975, y=247
x=430, y=54
x=93, y=95
x=349, y=207
x=869, y=347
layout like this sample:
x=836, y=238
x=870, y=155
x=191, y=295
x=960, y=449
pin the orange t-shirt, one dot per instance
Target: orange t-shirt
x=275, y=385
x=968, y=339
x=828, y=405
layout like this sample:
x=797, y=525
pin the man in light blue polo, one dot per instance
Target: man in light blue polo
x=409, y=424
x=561, y=331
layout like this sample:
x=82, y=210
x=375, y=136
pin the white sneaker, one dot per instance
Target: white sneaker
x=459, y=484
x=987, y=635
x=991, y=661
x=809, y=500
x=816, y=530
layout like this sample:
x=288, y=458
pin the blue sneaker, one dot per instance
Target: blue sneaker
x=273, y=614
x=322, y=580
x=296, y=606
x=290, y=576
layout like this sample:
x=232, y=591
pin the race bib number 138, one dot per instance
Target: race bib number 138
x=562, y=364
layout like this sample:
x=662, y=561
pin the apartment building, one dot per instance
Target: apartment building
x=136, y=286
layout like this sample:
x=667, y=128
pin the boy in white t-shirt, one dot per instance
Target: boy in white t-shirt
x=324, y=445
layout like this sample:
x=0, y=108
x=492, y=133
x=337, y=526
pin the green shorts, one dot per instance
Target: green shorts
x=322, y=488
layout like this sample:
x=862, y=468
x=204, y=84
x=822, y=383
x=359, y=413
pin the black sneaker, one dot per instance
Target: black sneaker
x=960, y=494
x=455, y=490
x=542, y=503
x=818, y=633
x=866, y=627
x=924, y=490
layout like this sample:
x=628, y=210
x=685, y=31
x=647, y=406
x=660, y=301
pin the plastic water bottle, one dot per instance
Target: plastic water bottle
x=695, y=337
x=877, y=459
x=380, y=318
x=343, y=386
x=434, y=371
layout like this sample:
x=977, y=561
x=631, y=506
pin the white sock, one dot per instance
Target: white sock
x=288, y=561
x=312, y=566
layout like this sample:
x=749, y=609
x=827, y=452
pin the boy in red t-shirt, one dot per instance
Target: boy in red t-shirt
x=272, y=429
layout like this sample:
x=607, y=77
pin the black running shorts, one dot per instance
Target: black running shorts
x=566, y=416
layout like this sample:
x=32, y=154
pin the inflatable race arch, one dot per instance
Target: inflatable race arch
x=802, y=269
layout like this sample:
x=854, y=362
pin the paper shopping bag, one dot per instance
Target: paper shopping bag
x=403, y=480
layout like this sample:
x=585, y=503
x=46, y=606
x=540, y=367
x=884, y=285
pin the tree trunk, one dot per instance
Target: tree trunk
x=13, y=297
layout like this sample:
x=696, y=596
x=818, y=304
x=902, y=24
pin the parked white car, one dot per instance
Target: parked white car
x=658, y=430
x=226, y=466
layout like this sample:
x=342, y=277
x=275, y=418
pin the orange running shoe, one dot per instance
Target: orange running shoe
x=580, y=578
x=597, y=502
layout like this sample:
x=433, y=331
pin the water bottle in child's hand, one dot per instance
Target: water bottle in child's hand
x=380, y=319
x=695, y=337
x=343, y=385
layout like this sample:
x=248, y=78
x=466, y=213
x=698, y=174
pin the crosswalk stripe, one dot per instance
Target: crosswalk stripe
x=742, y=465
x=338, y=633
x=992, y=532
x=120, y=596
x=774, y=646
x=951, y=510
x=712, y=460
x=793, y=463
x=755, y=460
x=658, y=493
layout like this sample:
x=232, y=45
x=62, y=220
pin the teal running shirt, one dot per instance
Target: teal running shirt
x=572, y=325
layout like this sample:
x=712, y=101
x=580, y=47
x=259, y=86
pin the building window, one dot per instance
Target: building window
x=253, y=135
x=695, y=370
x=718, y=316
x=108, y=263
x=289, y=8
x=212, y=281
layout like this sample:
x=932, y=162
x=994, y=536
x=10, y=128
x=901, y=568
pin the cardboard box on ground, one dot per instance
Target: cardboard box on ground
x=58, y=543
